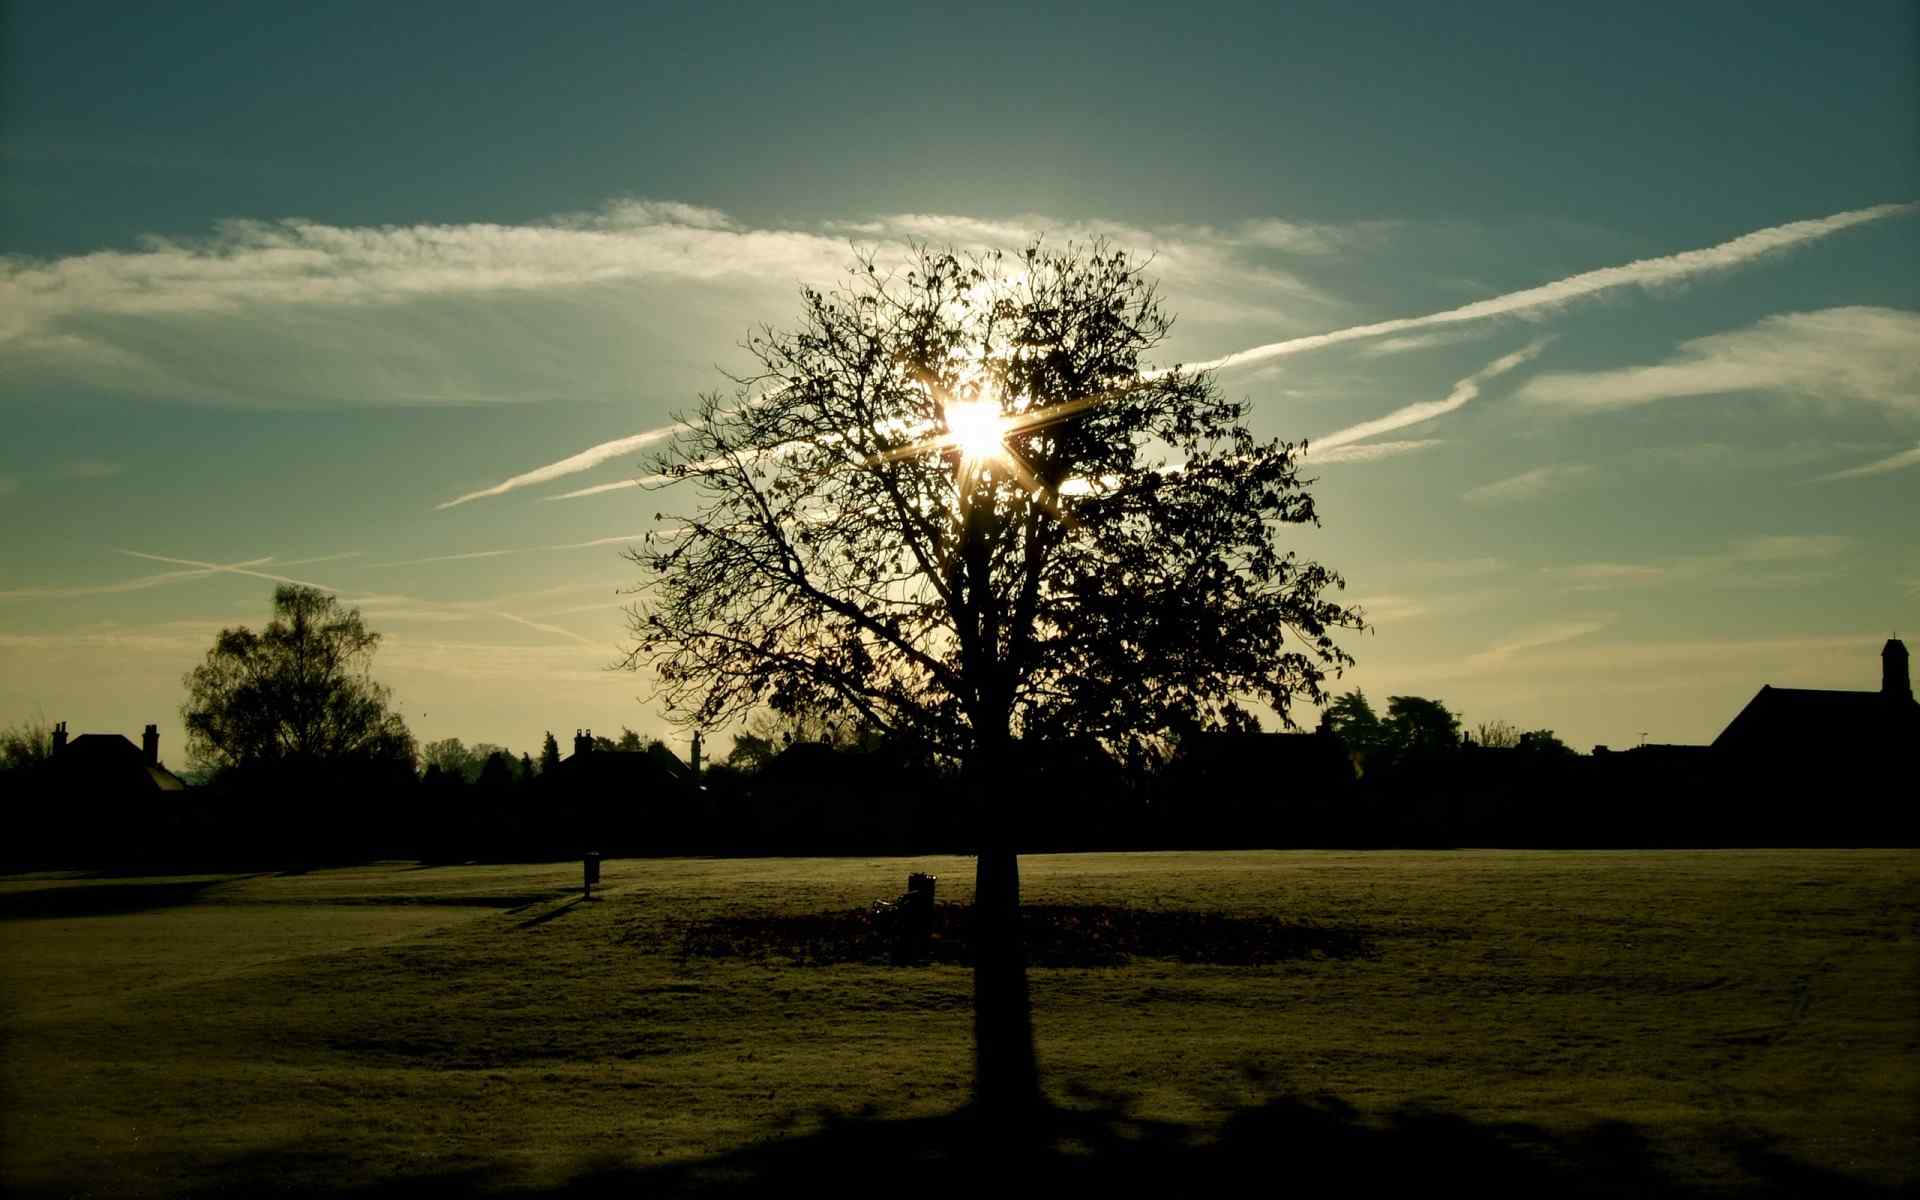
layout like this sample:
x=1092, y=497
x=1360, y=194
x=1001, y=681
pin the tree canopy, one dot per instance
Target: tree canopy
x=956, y=503
x=1413, y=724
x=300, y=691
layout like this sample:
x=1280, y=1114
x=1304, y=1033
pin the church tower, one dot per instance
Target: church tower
x=1895, y=684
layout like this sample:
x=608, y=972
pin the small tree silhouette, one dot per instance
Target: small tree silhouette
x=300, y=691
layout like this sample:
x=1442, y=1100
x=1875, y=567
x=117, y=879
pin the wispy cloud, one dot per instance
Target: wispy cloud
x=1895, y=462
x=1462, y=394
x=1766, y=552
x=1536, y=636
x=1784, y=548
x=1319, y=455
x=1857, y=355
x=85, y=468
x=248, y=263
x=1646, y=273
x=376, y=301
x=1528, y=485
x=1392, y=607
x=1596, y=576
x=1458, y=568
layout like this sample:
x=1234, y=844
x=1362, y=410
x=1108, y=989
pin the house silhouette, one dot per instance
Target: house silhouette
x=620, y=800
x=107, y=766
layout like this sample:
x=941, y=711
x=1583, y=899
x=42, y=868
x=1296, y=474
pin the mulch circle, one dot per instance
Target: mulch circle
x=1055, y=935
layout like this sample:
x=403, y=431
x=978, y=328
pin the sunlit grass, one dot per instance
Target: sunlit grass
x=343, y=1026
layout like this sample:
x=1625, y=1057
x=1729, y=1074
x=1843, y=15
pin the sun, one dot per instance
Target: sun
x=977, y=429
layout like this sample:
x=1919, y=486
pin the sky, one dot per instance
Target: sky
x=1603, y=327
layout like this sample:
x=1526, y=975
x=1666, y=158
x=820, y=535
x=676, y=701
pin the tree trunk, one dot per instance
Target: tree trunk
x=1006, y=1075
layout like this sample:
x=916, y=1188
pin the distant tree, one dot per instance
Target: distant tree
x=1497, y=735
x=25, y=744
x=1543, y=742
x=751, y=751
x=300, y=691
x=526, y=771
x=549, y=754
x=767, y=733
x=1416, y=724
x=1353, y=718
x=448, y=756
x=629, y=740
x=496, y=771
x=957, y=502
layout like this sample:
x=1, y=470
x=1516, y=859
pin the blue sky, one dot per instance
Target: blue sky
x=279, y=285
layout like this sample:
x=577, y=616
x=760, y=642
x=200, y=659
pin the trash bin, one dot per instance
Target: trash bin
x=913, y=933
x=590, y=871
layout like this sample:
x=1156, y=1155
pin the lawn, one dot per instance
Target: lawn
x=1631, y=1022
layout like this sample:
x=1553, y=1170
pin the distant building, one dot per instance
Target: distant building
x=105, y=766
x=622, y=799
x=1794, y=722
x=1809, y=767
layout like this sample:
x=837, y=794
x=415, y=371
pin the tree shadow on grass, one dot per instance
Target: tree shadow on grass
x=556, y=912
x=1298, y=1144
x=100, y=899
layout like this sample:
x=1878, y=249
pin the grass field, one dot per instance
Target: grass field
x=1628, y=1022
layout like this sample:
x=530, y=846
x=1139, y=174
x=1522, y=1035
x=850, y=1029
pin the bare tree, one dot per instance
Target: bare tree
x=1497, y=735
x=26, y=744
x=957, y=504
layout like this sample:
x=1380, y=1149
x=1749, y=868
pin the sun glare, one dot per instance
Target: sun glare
x=977, y=429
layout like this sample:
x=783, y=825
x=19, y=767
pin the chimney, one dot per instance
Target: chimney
x=582, y=742
x=150, y=745
x=1895, y=684
x=59, y=737
x=696, y=754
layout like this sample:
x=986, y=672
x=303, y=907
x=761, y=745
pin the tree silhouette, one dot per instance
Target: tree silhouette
x=1351, y=716
x=956, y=504
x=1417, y=724
x=549, y=754
x=452, y=758
x=298, y=693
x=25, y=744
x=1496, y=735
x=1545, y=743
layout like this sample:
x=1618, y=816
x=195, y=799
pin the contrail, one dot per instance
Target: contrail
x=1462, y=394
x=129, y=585
x=235, y=569
x=586, y=460
x=471, y=554
x=1646, y=272
x=615, y=486
x=1906, y=458
x=585, y=641
x=207, y=567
